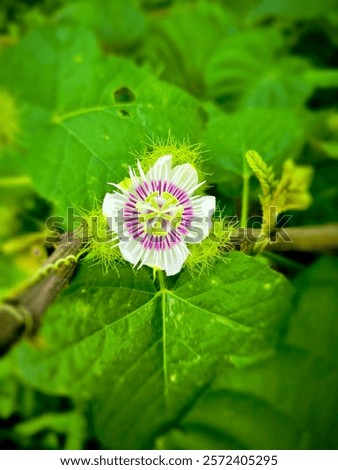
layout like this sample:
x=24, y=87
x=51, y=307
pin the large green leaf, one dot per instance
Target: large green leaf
x=250, y=70
x=86, y=113
x=314, y=324
x=287, y=402
x=293, y=9
x=274, y=133
x=118, y=24
x=144, y=354
x=180, y=43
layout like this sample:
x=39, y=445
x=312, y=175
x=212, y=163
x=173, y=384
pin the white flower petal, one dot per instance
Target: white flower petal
x=169, y=260
x=203, y=208
x=135, y=180
x=140, y=170
x=161, y=170
x=185, y=177
x=112, y=205
x=176, y=257
x=131, y=250
x=153, y=258
x=204, y=205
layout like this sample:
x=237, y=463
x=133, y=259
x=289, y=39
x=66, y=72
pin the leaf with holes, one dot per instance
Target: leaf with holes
x=143, y=354
x=86, y=113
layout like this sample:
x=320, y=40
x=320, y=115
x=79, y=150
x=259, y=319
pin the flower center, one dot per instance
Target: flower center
x=159, y=213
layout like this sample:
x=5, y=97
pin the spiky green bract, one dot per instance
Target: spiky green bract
x=204, y=255
x=101, y=243
x=182, y=152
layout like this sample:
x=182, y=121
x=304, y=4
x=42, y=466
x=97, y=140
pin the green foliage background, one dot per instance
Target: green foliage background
x=243, y=357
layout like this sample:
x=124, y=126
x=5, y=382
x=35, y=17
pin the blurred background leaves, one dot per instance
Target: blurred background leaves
x=83, y=84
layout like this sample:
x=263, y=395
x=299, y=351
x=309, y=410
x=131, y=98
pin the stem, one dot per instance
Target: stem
x=162, y=293
x=311, y=238
x=161, y=281
x=21, y=314
x=245, y=200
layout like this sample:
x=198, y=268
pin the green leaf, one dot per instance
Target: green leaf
x=293, y=9
x=62, y=64
x=87, y=113
x=325, y=196
x=142, y=355
x=274, y=134
x=120, y=23
x=287, y=402
x=8, y=390
x=171, y=44
x=314, y=324
x=249, y=69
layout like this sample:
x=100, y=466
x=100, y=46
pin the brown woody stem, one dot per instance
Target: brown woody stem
x=21, y=314
x=312, y=238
